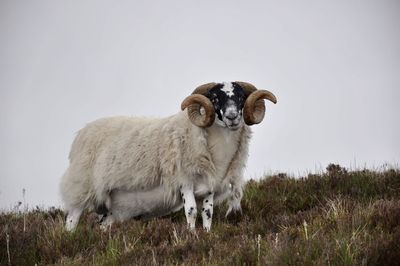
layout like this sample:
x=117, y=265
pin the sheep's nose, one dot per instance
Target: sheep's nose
x=232, y=115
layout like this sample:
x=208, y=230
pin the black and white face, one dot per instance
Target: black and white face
x=228, y=99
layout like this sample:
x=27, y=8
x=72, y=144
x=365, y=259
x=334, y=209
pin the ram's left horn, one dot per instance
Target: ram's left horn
x=193, y=103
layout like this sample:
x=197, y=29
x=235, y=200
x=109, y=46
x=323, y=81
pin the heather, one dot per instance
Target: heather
x=338, y=217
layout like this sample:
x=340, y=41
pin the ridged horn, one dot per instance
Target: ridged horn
x=203, y=89
x=194, y=102
x=254, y=107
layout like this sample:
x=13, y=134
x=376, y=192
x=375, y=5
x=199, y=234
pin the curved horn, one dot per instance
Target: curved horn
x=194, y=102
x=203, y=89
x=254, y=107
x=247, y=87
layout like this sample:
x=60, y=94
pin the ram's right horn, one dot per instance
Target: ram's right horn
x=254, y=107
x=195, y=102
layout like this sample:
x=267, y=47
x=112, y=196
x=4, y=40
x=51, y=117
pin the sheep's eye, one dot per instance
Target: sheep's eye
x=214, y=98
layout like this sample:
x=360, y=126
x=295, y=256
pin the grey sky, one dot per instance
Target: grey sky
x=333, y=65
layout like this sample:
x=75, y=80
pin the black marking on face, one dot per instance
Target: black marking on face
x=221, y=93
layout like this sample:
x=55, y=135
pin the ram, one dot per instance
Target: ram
x=129, y=167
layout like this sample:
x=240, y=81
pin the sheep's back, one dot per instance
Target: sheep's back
x=125, y=151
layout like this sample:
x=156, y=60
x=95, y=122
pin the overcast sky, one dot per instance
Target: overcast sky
x=333, y=65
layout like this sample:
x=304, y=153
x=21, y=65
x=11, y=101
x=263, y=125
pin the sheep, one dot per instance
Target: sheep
x=148, y=167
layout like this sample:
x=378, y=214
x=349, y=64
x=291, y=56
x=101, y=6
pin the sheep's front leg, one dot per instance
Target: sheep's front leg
x=73, y=218
x=207, y=211
x=234, y=200
x=189, y=204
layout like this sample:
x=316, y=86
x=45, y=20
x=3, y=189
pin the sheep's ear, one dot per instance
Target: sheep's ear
x=193, y=104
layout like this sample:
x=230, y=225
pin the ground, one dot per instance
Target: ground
x=338, y=217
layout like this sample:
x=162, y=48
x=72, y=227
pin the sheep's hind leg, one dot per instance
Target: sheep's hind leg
x=207, y=211
x=189, y=204
x=73, y=218
x=106, y=221
x=104, y=209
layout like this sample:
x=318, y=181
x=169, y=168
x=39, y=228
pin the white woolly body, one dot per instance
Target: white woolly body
x=142, y=162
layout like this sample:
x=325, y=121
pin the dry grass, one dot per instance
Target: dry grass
x=337, y=218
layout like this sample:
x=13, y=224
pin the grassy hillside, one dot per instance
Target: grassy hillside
x=336, y=218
